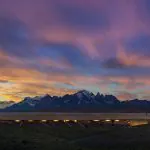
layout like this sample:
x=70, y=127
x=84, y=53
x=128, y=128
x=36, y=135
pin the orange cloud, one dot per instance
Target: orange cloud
x=31, y=82
x=11, y=97
x=126, y=96
x=5, y=59
x=132, y=59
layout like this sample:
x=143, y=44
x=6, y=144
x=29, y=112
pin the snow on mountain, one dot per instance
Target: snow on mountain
x=80, y=101
x=37, y=98
x=30, y=101
x=84, y=96
x=82, y=93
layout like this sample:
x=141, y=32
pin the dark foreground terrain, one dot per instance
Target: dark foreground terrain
x=41, y=136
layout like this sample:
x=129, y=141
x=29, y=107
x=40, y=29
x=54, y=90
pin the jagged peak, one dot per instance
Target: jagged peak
x=85, y=92
x=46, y=95
x=31, y=98
x=37, y=97
x=81, y=98
x=27, y=98
x=98, y=94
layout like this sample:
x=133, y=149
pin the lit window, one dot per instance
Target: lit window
x=55, y=120
x=66, y=120
x=95, y=120
x=30, y=120
x=17, y=120
x=117, y=120
x=43, y=120
x=107, y=120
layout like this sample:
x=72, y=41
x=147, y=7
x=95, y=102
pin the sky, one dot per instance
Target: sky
x=58, y=47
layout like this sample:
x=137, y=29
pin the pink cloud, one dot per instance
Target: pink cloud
x=132, y=59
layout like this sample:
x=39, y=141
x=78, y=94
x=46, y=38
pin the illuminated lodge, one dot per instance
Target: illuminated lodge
x=131, y=119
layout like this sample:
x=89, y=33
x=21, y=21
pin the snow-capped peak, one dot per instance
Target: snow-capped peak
x=85, y=92
x=37, y=98
x=46, y=95
x=85, y=96
x=30, y=101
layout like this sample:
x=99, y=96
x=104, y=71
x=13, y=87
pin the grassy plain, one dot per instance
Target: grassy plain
x=42, y=136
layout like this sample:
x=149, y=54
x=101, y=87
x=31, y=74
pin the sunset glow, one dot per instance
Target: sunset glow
x=58, y=47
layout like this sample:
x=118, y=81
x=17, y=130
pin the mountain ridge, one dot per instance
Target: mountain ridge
x=81, y=101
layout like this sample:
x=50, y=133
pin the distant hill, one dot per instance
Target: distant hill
x=82, y=101
x=4, y=104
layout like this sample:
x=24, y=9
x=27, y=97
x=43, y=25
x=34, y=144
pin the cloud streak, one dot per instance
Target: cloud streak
x=58, y=47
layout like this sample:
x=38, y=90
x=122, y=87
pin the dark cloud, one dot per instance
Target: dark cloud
x=75, y=57
x=3, y=81
x=98, y=27
x=14, y=37
x=147, y=2
x=113, y=63
x=139, y=43
x=70, y=52
x=82, y=18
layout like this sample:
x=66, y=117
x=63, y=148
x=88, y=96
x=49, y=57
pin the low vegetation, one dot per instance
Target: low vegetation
x=33, y=136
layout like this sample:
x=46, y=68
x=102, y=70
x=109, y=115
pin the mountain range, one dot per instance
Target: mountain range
x=82, y=101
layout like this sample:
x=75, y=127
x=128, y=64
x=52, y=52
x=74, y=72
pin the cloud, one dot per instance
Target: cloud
x=55, y=46
x=3, y=81
x=29, y=82
x=138, y=44
x=113, y=63
x=126, y=96
x=133, y=59
x=14, y=37
x=10, y=97
x=60, y=64
x=69, y=53
x=82, y=18
x=127, y=60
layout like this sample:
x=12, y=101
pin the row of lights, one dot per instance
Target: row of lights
x=107, y=120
